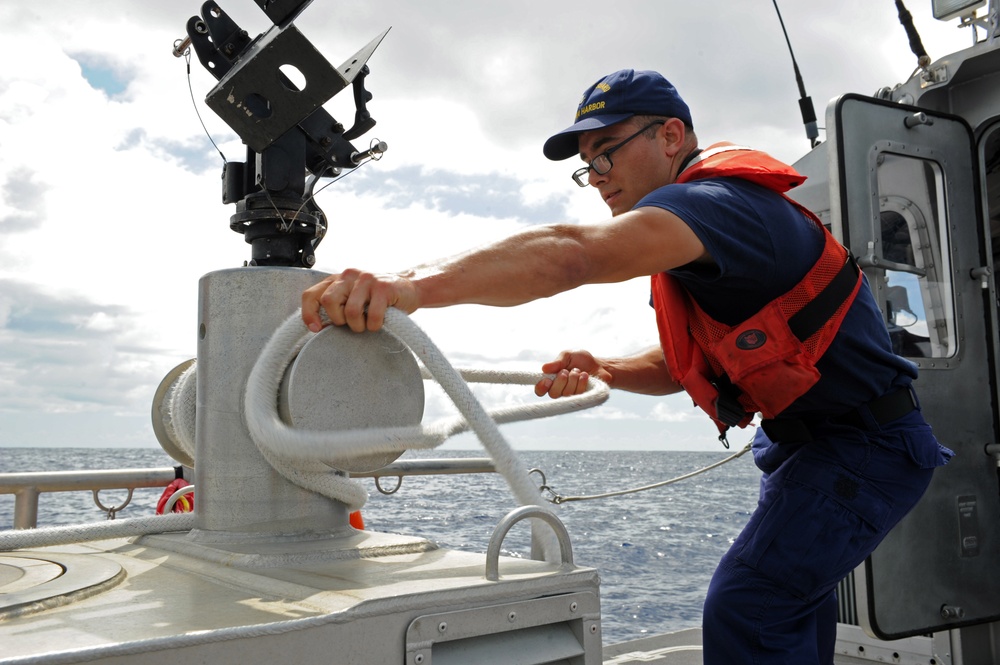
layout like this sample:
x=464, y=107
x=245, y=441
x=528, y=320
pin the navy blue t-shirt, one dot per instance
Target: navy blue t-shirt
x=762, y=246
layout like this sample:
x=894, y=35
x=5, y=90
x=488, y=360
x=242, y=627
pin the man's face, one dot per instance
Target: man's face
x=639, y=166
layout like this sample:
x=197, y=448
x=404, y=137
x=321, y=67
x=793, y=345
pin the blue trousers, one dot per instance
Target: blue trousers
x=823, y=508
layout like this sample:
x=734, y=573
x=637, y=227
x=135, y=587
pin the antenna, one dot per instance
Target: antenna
x=805, y=101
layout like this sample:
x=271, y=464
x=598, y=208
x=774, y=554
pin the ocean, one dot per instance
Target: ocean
x=655, y=550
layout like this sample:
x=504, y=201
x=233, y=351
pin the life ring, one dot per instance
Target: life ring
x=183, y=504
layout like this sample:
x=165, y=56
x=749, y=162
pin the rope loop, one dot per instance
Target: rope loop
x=304, y=457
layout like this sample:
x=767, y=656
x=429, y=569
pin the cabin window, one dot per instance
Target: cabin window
x=919, y=301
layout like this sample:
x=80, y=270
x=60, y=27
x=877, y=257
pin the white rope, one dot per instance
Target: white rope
x=179, y=414
x=125, y=528
x=304, y=456
x=504, y=457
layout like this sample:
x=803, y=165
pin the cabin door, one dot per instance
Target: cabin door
x=906, y=201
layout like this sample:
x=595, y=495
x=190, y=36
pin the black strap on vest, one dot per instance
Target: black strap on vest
x=728, y=409
x=820, y=309
x=688, y=160
x=803, y=325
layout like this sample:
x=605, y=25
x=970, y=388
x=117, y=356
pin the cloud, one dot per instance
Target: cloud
x=491, y=195
x=105, y=73
x=196, y=154
x=611, y=413
x=68, y=355
x=674, y=412
x=23, y=201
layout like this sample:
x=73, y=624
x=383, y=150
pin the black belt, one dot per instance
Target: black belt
x=882, y=410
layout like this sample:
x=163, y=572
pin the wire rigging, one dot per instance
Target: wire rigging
x=187, y=60
x=556, y=498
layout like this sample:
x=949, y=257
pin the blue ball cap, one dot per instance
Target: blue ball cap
x=614, y=98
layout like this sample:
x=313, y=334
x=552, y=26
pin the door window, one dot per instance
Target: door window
x=914, y=255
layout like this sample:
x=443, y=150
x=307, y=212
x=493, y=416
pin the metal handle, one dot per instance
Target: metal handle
x=512, y=518
x=872, y=261
x=919, y=118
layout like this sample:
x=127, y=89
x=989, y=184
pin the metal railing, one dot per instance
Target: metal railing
x=28, y=487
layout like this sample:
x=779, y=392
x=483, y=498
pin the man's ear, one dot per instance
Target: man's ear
x=674, y=134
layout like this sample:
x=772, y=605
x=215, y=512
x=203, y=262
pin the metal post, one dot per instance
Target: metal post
x=26, y=508
x=237, y=490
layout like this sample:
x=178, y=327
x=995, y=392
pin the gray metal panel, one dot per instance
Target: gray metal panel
x=565, y=628
x=238, y=490
x=814, y=193
x=944, y=554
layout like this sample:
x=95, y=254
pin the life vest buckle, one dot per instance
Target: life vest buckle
x=728, y=409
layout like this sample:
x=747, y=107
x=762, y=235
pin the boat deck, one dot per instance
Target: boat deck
x=684, y=648
x=123, y=602
x=680, y=648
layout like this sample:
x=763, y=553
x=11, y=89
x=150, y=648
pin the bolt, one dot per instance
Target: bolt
x=950, y=612
x=442, y=627
x=512, y=617
x=572, y=607
x=419, y=658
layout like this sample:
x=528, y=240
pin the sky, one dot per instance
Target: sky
x=110, y=206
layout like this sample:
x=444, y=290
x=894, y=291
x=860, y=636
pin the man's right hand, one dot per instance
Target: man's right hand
x=571, y=370
x=357, y=299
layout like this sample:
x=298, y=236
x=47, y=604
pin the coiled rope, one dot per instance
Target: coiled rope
x=179, y=416
x=304, y=457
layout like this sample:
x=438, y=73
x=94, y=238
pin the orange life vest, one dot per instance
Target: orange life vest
x=771, y=357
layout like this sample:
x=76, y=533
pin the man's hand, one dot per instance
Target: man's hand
x=357, y=299
x=572, y=370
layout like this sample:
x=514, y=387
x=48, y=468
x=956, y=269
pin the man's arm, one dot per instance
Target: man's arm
x=644, y=373
x=536, y=263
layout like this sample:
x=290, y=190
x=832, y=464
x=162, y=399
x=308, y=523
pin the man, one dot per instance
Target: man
x=758, y=310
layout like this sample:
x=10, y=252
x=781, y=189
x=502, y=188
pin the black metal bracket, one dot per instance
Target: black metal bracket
x=271, y=91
